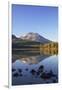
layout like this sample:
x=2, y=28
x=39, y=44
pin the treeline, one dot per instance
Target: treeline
x=25, y=44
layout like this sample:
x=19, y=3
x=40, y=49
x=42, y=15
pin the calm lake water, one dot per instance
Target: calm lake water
x=34, y=69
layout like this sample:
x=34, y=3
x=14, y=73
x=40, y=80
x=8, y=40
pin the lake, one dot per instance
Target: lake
x=34, y=68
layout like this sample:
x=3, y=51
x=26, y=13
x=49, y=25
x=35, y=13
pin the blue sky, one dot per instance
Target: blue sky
x=38, y=19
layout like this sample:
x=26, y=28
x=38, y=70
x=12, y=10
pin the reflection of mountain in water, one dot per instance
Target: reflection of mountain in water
x=29, y=59
x=33, y=59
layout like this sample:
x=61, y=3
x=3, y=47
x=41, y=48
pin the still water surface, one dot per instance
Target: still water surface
x=36, y=69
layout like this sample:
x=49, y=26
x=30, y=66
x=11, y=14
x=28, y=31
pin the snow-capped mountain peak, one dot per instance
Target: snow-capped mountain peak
x=34, y=37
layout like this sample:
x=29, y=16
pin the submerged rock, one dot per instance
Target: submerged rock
x=41, y=67
x=13, y=69
x=33, y=72
x=40, y=70
x=48, y=75
x=45, y=75
x=20, y=70
x=26, y=69
x=20, y=75
x=54, y=81
x=16, y=74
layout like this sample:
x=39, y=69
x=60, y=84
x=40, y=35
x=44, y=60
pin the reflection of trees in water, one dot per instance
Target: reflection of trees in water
x=23, y=54
x=33, y=56
x=40, y=72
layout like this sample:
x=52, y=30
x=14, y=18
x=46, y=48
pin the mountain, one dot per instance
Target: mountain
x=14, y=37
x=34, y=37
